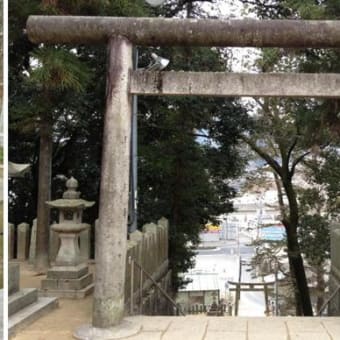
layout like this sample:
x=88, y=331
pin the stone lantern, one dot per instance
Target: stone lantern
x=69, y=276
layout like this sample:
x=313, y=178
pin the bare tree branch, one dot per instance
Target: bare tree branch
x=271, y=161
x=290, y=150
x=296, y=162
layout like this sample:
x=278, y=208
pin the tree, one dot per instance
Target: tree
x=58, y=71
x=276, y=138
x=315, y=122
x=318, y=209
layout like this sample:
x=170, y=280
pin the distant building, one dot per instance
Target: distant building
x=252, y=210
x=201, y=291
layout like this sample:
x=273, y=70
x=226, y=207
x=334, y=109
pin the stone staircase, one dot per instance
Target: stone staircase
x=24, y=305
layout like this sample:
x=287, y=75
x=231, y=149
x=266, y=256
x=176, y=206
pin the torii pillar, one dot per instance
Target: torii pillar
x=110, y=249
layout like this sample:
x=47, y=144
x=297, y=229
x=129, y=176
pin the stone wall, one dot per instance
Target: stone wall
x=334, y=307
x=149, y=249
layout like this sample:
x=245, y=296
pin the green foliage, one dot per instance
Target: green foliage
x=323, y=171
x=187, y=152
x=314, y=238
x=58, y=70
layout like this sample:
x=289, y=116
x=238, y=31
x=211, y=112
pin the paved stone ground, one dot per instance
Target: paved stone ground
x=55, y=327
x=60, y=324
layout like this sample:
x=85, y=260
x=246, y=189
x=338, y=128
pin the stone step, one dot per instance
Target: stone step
x=21, y=299
x=68, y=293
x=30, y=313
x=67, y=284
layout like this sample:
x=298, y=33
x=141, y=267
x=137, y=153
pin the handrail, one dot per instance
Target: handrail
x=327, y=302
x=167, y=296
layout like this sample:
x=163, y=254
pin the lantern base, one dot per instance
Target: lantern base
x=74, y=282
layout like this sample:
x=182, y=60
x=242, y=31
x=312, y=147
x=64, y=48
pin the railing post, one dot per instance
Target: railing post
x=132, y=284
x=141, y=292
x=266, y=299
x=237, y=299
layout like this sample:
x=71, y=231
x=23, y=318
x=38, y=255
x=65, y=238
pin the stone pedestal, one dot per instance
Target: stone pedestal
x=74, y=282
x=69, y=277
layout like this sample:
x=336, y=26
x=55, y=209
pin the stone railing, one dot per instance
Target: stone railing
x=334, y=283
x=23, y=237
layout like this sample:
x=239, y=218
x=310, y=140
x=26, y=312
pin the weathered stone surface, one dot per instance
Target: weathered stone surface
x=54, y=245
x=85, y=243
x=225, y=335
x=224, y=84
x=108, y=304
x=184, y=32
x=67, y=272
x=228, y=325
x=23, y=237
x=68, y=294
x=186, y=328
x=10, y=241
x=69, y=253
x=261, y=325
x=13, y=278
x=301, y=325
x=21, y=299
x=33, y=242
x=67, y=284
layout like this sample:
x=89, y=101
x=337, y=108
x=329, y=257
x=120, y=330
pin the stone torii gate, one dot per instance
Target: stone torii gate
x=122, y=82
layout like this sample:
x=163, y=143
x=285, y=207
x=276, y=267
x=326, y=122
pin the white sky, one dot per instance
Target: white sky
x=243, y=58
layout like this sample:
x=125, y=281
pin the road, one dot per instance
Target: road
x=224, y=259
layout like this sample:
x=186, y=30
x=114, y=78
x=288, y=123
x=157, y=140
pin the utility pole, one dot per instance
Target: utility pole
x=276, y=268
x=133, y=214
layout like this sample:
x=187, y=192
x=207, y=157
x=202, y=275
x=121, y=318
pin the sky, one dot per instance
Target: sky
x=243, y=58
